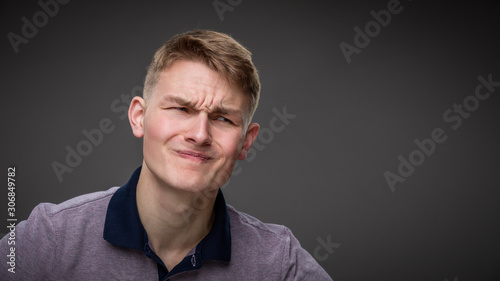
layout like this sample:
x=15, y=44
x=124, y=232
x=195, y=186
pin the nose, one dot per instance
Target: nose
x=198, y=132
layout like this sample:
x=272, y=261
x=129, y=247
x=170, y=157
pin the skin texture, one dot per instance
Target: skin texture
x=194, y=128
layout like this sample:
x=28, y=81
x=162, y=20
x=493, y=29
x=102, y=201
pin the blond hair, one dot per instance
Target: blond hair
x=216, y=50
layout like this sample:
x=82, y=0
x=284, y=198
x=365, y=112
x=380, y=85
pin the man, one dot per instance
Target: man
x=170, y=221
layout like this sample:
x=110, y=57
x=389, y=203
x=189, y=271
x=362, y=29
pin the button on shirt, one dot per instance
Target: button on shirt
x=99, y=236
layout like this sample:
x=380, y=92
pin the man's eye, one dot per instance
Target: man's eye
x=222, y=118
x=181, y=109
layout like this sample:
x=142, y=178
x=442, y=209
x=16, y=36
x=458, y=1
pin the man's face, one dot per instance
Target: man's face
x=194, y=128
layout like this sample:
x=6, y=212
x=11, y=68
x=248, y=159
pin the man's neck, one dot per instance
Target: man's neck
x=172, y=221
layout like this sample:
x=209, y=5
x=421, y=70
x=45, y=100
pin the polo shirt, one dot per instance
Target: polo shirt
x=99, y=236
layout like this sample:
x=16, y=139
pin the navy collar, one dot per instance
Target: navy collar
x=123, y=226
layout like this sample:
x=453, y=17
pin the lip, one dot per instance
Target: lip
x=194, y=155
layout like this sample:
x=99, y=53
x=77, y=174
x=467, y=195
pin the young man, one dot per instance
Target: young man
x=170, y=221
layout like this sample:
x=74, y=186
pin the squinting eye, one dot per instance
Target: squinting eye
x=222, y=118
x=181, y=109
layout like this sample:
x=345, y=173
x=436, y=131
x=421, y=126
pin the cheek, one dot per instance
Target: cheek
x=231, y=145
x=157, y=129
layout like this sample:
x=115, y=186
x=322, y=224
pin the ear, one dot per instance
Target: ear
x=250, y=136
x=136, y=113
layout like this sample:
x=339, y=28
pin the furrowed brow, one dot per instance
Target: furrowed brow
x=217, y=110
x=226, y=111
x=178, y=100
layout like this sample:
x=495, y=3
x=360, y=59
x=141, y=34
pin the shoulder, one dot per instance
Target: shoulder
x=94, y=200
x=257, y=246
x=57, y=234
x=242, y=222
x=77, y=215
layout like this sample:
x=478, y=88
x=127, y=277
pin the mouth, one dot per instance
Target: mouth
x=193, y=155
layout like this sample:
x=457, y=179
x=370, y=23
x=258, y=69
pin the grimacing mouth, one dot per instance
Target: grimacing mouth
x=194, y=154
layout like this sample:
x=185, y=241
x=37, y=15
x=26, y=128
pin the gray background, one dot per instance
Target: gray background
x=323, y=175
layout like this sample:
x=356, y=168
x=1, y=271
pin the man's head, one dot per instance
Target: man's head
x=216, y=50
x=201, y=91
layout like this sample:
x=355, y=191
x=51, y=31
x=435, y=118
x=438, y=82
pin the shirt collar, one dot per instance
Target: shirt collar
x=123, y=226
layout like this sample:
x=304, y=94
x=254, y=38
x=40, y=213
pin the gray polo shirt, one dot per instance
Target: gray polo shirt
x=99, y=236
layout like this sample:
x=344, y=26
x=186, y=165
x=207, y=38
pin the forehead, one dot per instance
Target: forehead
x=192, y=72
x=197, y=83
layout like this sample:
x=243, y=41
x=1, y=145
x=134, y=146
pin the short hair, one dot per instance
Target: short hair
x=216, y=50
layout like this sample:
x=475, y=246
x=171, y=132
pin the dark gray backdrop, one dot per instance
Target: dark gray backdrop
x=322, y=173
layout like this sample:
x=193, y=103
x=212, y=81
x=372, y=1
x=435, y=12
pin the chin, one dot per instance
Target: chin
x=193, y=184
x=193, y=180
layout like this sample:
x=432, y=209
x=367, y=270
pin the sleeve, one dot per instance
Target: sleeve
x=28, y=251
x=298, y=264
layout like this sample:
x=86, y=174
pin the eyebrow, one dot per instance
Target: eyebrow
x=217, y=110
